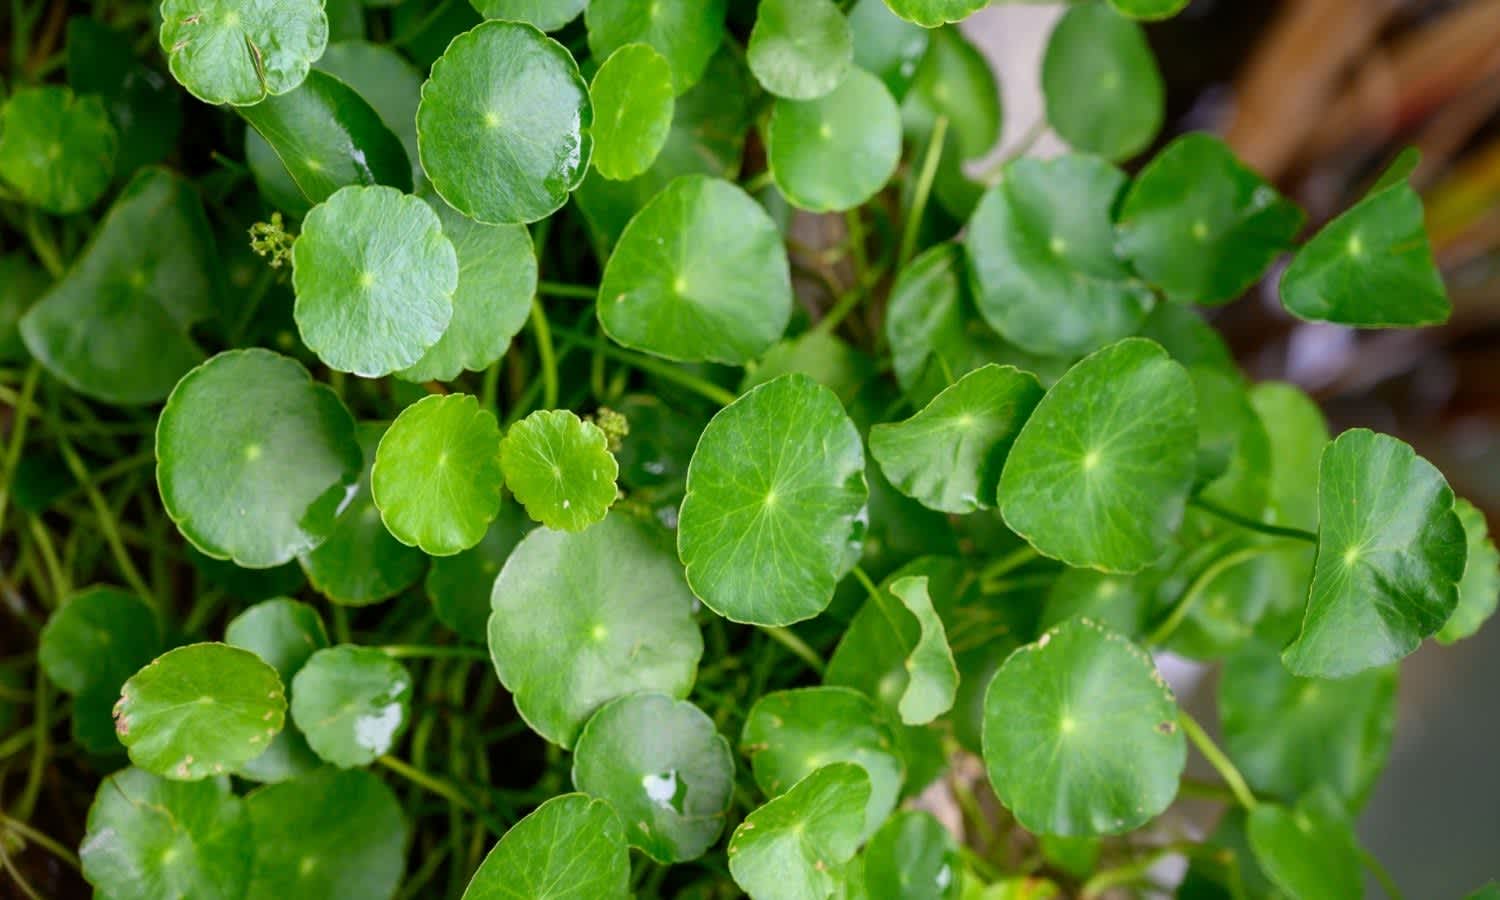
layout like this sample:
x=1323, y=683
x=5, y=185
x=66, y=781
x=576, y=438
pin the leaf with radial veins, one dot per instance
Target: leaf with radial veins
x=1479, y=591
x=1041, y=252
x=1081, y=735
x=933, y=677
x=699, y=275
x=548, y=15
x=459, y=586
x=633, y=103
x=570, y=848
x=1309, y=852
x=778, y=474
x=504, y=124
x=56, y=148
x=97, y=639
x=199, y=710
x=1202, y=226
x=835, y=152
x=1114, y=444
x=374, y=276
x=685, y=32
x=1391, y=551
x=664, y=767
x=387, y=81
x=1103, y=90
x=560, y=469
x=254, y=459
x=437, y=476
x=794, y=847
x=608, y=606
x=351, y=703
x=241, y=51
x=800, y=49
x=933, y=13
x=913, y=857
x=1371, y=267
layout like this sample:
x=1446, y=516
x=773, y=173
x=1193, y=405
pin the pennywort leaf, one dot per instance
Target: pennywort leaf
x=834, y=152
x=912, y=855
x=933, y=676
x=685, y=32
x=1103, y=90
x=1479, y=591
x=932, y=13
x=1308, y=850
x=56, y=148
x=570, y=848
x=794, y=846
x=560, y=468
x=800, y=49
x=633, y=101
x=351, y=703
x=241, y=51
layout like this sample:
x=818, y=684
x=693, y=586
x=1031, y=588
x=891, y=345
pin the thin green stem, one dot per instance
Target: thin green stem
x=800, y=649
x=856, y=228
x=1127, y=873
x=1217, y=758
x=558, y=289
x=666, y=371
x=925, y=178
x=41, y=840
x=58, y=575
x=108, y=525
x=413, y=651
x=1381, y=873
x=44, y=247
x=19, y=419
x=41, y=749
x=1199, y=585
x=1246, y=522
x=428, y=782
x=542, y=332
x=759, y=182
x=1011, y=561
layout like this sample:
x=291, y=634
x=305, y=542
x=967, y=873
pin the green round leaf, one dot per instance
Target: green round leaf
x=1080, y=734
x=954, y=81
x=1118, y=602
x=240, y=51
x=1200, y=225
x=437, y=475
x=560, y=468
x=1391, y=551
x=97, y=639
x=327, y=834
x=1479, y=591
x=1309, y=852
x=275, y=184
x=150, y=838
x=835, y=152
x=685, y=32
x=351, y=703
x=1234, y=449
x=287, y=757
x=1041, y=251
x=633, y=102
x=375, y=277
x=284, y=633
x=913, y=857
x=1297, y=434
x=1112, y=445
x=504, y=124
x=933, y=677
x=58, y=150
x=700, y=274
x=460, y=585
x=1103, y=91
x=570, y=848
x=199, y=710
x=800, y=49
x=778, y=474
x=1148, y=9
x=608, y=606
x=1183, y=333
x=548, y=15
x=253, y=458
x=388, y=82
x=664, y=768
x=933, y=13
x=949, y=455
x=886, y=45
x=789, y=735
x=795, y=844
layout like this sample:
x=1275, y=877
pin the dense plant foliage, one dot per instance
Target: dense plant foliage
x=591, y=426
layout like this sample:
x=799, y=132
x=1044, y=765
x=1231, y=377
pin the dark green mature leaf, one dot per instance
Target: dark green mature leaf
x=21, y=283
x=199, y=710
x=285, y=634
x=241, y=51
x=1298, y=435
x=1113, y=444
x=778, y=474
x=932, y=13
x=1310, y=852
x=570, y=848
x=933, y=677
x=664, y=767
x=1234, y=449
x=954, y=81
x=254, y=459
x=793, y=847
x=1391, y=552
x=387, y=81
x=886, y=45
x=460, y=585
x=1149, y=9
x=327, y=834
x=437, y=476
x=351, y=703
x=328, y=137
x=1041, y=254
x=633, y=100
x=700, y=274
x=913, y=857
x=1118, y=602
x=56, y=149
x=1187, y=338
x=1103, y=90
x=142, y=103
x=560, y=468
x=1080, y=733
x=97, y=639
x=1200, y=225
x=800, y=49
x=548, y=15
x=116, y=326
x=686, y=32
x=504, y=124
x=1479, y=591
x=837, y=151
x=1372, y=266
x=150, y=838
x=608, y=605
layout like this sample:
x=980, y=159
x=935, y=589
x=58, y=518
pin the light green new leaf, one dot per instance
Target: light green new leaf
x=837, y=151
x=609, y=606
x=387, y=81
x=570, y=848
x=790, y=734
x=913, y=857
x=460, y=585
x=548, y=15
x=374, y=276
x=1103, y=90
x=97, y=639
x=437, y=475
x=1202, y=226
x=1391, y=552
x=1371, y=267
x=933, y=677
x=199, y=710
x=933, y=13
x=633, y=103
x=699, y=275
x=1479, y=591
x=1081, y=735
x=686, y=32
x=800, y=49
x=351, y=703
x=1113, y=445
x=241, y=51
x=504, y=124
x=254, y=459
x=886, y=45
x=150, y=838
x=1310, y=852
x=664, y=767
x=1149, y=9
x=56, y=149
x=793, y=847
x=778, y=474
x=560, y=468
x=327, y=834
x=1042, y=258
